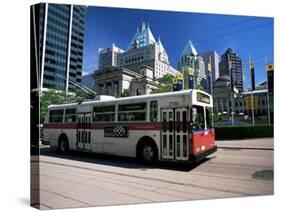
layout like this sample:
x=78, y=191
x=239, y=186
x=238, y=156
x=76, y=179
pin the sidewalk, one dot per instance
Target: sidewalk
x=253, y=143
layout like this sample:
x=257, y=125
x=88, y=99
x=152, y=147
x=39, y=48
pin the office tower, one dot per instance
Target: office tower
x=231, y=65
x=193, y=67
x=60, y=35
x=110, y=56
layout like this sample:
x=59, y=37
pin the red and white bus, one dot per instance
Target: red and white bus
x=175, y=126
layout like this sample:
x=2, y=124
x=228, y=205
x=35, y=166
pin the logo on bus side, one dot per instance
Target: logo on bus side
x=116, y=131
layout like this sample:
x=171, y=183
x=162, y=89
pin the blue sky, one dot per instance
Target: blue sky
x=245, y=34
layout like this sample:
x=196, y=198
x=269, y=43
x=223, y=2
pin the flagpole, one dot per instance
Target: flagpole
x=231, y=91
x=252, y=97
x=267, y=96
x=182, y=69
x=211, y=86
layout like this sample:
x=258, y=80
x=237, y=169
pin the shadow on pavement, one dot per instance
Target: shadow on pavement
x=118, y=161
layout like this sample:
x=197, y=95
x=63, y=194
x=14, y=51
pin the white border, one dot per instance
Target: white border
x=15, y=98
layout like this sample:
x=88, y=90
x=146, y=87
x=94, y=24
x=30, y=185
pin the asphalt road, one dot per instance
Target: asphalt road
x=237, y=169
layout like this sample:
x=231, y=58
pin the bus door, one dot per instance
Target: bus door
x=174, y=133
x=167, y=133
x=84, y=131
x=181, y=133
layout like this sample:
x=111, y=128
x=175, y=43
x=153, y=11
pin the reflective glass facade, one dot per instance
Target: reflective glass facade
x=61, y=44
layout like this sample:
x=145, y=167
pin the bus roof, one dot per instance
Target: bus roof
x=140, y=97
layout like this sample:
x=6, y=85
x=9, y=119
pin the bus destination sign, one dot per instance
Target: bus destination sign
x=203, y=98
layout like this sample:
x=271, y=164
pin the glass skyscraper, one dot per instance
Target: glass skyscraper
x=60, y=35
x=231, y=65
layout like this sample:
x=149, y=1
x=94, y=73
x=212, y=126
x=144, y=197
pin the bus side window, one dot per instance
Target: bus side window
x=56, y=116
x=153, y=111
x=70, y=115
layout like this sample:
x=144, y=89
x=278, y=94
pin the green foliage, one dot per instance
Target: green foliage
x=217, y=117
x=126, y=93
x=55, y=97
x=199, y=87
x=165, y=84
x=243, y=132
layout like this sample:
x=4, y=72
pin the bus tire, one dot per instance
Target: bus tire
x=147, y=152
x=63, y=144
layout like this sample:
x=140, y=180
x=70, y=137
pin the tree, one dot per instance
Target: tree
x=126, y=93
x=54, y=97
x=199, y=87
x=165, y=84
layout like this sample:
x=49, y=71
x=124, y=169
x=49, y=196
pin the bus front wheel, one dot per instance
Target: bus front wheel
x=148, y=153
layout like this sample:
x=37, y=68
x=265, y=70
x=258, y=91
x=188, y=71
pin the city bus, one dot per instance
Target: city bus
x=174, y=126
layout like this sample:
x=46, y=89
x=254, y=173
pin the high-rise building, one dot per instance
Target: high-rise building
x=231, y=65
x=60, y=36
x=192, y=64
x=110, y=56
x=144, y=50
x=213, y=59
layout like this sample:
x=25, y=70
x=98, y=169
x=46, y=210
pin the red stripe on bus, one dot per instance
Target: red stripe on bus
x=100, y=126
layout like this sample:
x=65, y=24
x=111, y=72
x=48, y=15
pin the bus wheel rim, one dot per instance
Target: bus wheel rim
x=148, y=153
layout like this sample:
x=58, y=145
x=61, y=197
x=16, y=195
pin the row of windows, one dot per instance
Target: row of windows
x=59, y=7
x=128, y=112
x=58, y=21
x=54, y=43
x=134, y=59
x=58, y=29
x=57, y=37
x=57, y=42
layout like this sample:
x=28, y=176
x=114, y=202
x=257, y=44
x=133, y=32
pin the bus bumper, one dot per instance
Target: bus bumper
x=201, y=156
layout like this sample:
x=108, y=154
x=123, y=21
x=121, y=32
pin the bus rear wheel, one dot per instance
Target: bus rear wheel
x=148, y=153
x=63, y=146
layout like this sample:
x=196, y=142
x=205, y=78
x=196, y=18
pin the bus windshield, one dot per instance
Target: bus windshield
x=197, y=118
